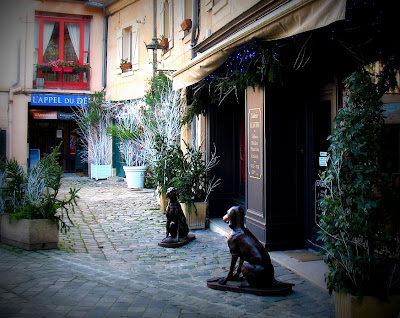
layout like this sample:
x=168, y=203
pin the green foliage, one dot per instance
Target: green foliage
x=193, y=176
x=169, y=161
x=159, y=84
x=359, y=229
x=249, y=66
x=13, y=191
x=34, y=195
x=94, y=112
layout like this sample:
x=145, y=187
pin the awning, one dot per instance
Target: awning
x=292, y=18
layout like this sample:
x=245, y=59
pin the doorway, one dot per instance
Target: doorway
x=50, y=128
x=226, y=126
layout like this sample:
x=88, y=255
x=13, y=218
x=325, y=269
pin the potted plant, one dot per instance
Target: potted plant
x=169, y=160
x=164, y=42
x=360, y=224
x=125, y=65
x=44, y=67
x=94, y=122
x=186, y=24
x=162, y=119
x=33, y=212
x=129, y=130
x=195, y=185
x=81, y=67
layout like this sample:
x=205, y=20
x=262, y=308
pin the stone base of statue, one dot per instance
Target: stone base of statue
x=173, y=242
x=241, y=286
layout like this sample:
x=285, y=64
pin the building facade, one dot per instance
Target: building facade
x=271, y=135
x=37, y=96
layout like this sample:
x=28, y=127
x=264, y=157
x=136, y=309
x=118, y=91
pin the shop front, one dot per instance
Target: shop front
x=51, y=122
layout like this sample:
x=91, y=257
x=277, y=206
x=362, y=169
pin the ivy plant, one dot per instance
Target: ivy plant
x=359, y=226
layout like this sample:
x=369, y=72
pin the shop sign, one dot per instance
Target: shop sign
x=43, y=114
x=255, y=139
x=65, y=116
x=59, y=100
x=320, y=191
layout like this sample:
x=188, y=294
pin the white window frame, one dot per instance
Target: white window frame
x=215, y=8
x=170, y=34
x=128, y=34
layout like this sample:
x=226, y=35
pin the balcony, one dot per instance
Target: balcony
x=62, y=78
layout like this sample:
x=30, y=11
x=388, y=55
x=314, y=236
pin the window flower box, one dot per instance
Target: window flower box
x=186, y=24
x=126, y=66
x=56, y=68
x=68, y=69
x=164, y=43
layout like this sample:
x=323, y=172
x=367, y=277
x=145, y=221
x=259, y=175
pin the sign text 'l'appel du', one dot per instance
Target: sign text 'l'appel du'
x=59, y=100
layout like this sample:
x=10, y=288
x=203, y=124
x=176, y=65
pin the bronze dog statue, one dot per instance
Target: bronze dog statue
x=258, y=271
x=176, y=226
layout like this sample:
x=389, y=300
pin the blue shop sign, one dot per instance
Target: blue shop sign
x=59, y=100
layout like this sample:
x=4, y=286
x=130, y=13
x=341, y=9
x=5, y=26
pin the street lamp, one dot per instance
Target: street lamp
x=154, y=45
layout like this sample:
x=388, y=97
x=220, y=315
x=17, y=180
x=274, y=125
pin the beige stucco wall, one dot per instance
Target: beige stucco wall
x=17, y=22
x=210, y=21
x=133, y=84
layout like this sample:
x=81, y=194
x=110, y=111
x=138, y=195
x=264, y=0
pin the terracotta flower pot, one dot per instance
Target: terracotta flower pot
x=126, y=66
x=186, y=24
x=165, y=43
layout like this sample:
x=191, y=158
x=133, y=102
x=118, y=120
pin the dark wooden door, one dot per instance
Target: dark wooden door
x=226, y=131
x=275, y=182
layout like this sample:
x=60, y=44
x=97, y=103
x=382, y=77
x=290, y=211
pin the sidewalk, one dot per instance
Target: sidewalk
x=109, y=265
x=313, y=271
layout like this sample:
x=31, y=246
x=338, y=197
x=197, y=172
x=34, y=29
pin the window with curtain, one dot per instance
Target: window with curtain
x=62, y=40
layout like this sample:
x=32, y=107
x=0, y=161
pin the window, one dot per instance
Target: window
x=185, y=14
x=66, y=39
x=128, y=46
x=215, y=5
x=166, y=19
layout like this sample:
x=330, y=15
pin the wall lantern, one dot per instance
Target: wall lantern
x=154, y=45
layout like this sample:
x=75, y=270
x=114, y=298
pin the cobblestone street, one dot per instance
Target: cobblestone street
x=109, y=265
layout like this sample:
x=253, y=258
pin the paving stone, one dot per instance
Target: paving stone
x=109, y=265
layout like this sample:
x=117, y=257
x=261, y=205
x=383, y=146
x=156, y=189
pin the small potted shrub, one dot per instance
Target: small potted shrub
x=125, y=65
x=169, y=160
x=129, y=130
x=94, y=122
x=360, y=224
x=33, y=212
x=195, y=185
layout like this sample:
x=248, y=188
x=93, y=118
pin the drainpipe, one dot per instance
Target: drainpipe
x=105, y=31
x=192, y=44
x=13, y=89
x=194, y=26
x=94, y=4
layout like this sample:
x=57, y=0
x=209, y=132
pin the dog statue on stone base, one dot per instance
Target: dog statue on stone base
x=176, y=227
x=258, y=270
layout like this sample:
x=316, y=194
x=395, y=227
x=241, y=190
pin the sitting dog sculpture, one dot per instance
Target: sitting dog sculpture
x=258, y=271
x=176, y=226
